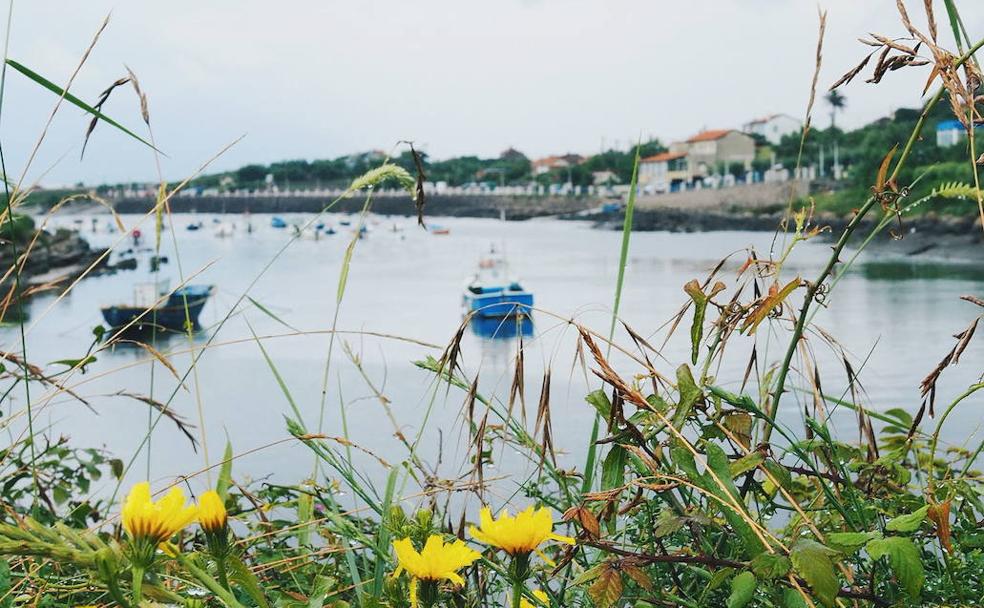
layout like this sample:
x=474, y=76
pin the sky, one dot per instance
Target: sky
x=307, y=79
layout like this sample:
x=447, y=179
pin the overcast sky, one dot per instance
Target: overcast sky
x=314, y=79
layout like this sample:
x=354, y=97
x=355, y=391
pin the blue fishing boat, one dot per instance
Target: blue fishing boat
x=155, y=307
x=278, y=222
x=501, y=328
x=493, y=293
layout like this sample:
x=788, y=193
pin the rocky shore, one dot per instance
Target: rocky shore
x=54, y=259
x=930, y=235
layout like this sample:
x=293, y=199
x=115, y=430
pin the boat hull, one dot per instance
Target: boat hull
x=501, y=304
x=172, y=316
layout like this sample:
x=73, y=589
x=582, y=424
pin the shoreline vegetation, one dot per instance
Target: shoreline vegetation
x=696, y=490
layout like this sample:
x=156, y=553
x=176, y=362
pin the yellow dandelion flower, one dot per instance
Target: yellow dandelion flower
x=520, y=534
x=212, y=512
x=540, y=595
x=155, y=522
x=436, y=562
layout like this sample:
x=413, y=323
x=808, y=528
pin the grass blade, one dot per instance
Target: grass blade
x=54, y=88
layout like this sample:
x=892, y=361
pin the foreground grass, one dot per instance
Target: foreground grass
x=691, y=494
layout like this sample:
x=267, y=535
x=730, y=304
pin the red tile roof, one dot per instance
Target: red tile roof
x=709, y=135
x=663, y=157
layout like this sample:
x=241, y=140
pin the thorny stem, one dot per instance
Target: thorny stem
x=811, y=291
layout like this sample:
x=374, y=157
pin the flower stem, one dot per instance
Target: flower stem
x=224, y=595
x=220, y=567
x=138, y=574
x=517, y=592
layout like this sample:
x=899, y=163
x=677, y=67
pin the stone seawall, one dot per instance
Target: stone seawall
x=513, y=207
x=746, y=196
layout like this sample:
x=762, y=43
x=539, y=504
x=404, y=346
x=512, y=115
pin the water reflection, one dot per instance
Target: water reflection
x=901, y=270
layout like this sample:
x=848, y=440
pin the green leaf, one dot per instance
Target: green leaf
x=746, y=463
x=791, y=598
x=811, y=560
x=623, y=256
x=908, y=523
x=239, y=573
x=613, y=468
x=696, y=294
x=770, y=565
x=904, y=559
x=271, y=314
x=57, y=90
x=849, y=542
x=305, y=513
x=599, y=401
x=79, y=363
x=60, y=494
x=718, y=579
x=722, y=487
x=5, y=585
x=689, y=395
x=742, y=590
x=225, y=473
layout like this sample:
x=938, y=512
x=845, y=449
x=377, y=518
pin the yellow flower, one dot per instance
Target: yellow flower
x=212, y=512
x=438, y=561
x=540, y=595
x=155, y=522
x=519, y=535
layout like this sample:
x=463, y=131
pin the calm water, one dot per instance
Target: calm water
x=894, y=319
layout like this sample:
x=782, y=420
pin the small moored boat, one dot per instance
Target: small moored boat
x=154, y=307
x=493, y=293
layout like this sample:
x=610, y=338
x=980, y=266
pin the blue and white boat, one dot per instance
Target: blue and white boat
x=278, y=222
x=493, y=293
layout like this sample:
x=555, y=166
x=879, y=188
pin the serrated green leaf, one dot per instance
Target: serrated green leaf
x=904, y=558
x=770, y=565
x=791, y=598
x=811, y=560
x=849, y=542
x=742, y=590
x=908, y=523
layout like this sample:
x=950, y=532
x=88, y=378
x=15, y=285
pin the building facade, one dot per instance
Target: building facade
x=774, y=127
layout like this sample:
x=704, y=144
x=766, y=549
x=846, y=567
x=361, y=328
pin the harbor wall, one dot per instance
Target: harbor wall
x=513, y=207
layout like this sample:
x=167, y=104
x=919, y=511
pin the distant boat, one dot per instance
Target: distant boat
x=439, y=230
x=150, y=310
x=492, y=293
x=224, y=229
x=329, y=230
x=278, y=222
x=345, y=222
x=194, y=226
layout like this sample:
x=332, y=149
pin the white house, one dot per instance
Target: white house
x=952, y=132
x=773, y=127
